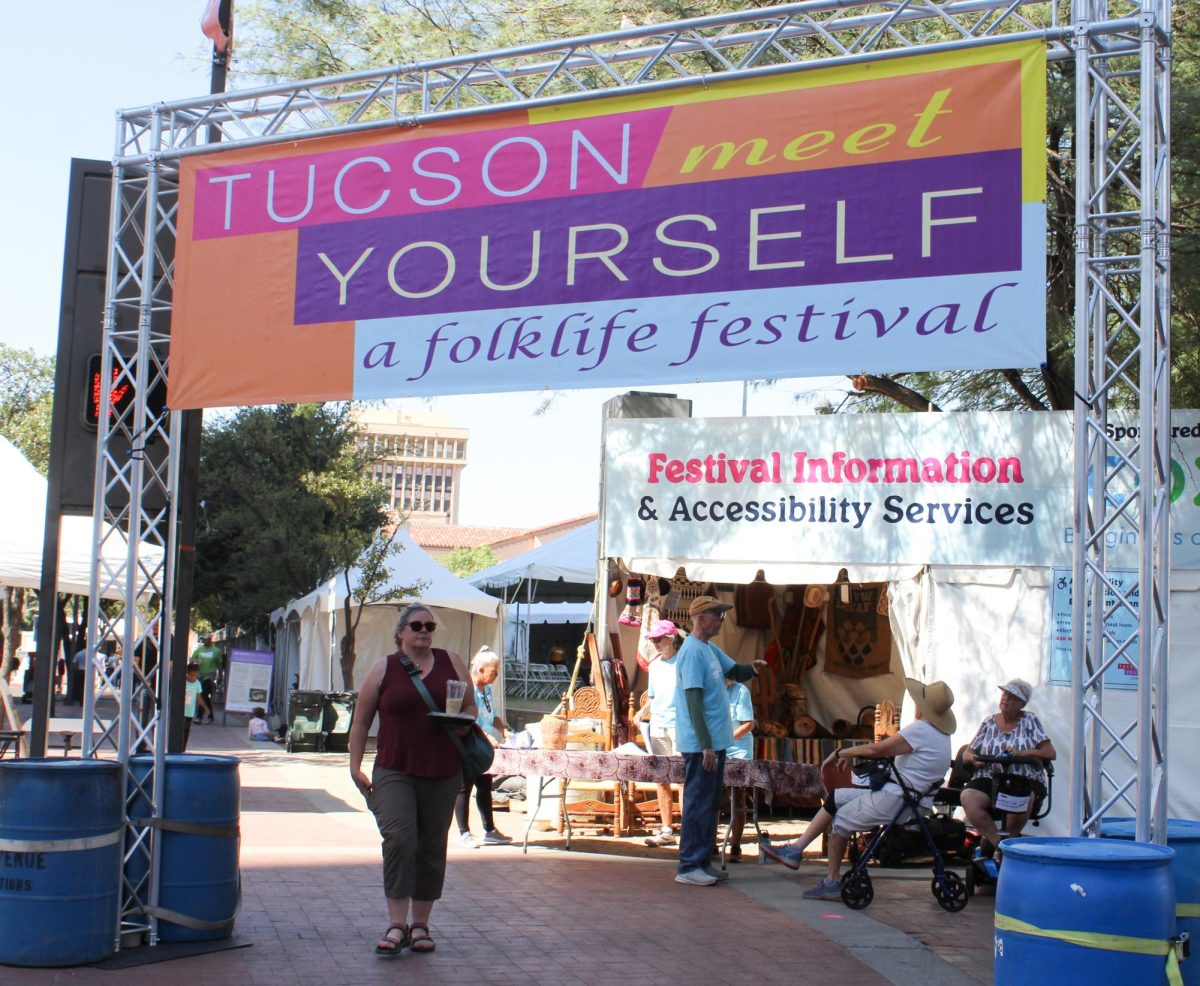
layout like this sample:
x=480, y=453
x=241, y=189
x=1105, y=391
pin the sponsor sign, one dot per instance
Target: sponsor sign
x=886, y=215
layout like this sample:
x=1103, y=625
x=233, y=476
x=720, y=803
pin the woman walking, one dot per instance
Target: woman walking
x=485, y=669
x=416, y=776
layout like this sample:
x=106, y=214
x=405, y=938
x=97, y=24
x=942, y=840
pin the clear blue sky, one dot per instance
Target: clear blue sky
x=69, y=65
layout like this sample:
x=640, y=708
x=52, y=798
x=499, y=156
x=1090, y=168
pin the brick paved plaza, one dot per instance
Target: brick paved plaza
x=313, y=908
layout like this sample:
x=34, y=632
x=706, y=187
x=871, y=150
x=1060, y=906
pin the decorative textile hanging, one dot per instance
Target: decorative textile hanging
x=859, y=641
x=683, y=591
x=752, y=603
x=632, y=616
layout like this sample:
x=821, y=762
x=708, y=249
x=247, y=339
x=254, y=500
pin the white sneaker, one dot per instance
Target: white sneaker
x=719, y=875
x=697, y=878
x=467, y=839
x=664, y=838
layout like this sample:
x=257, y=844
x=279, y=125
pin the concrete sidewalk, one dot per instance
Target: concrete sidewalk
x=313, y=908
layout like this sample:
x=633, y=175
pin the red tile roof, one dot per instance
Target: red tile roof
x=432, y=535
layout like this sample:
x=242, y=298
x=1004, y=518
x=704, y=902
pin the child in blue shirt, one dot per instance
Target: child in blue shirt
x=741, y=711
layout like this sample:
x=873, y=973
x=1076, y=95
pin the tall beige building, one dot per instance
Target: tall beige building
x=419, y=457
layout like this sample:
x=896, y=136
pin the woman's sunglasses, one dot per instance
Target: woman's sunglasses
x=419, y=626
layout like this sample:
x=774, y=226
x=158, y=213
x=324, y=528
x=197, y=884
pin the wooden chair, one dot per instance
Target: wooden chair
x=13, y=736
x=598, y=804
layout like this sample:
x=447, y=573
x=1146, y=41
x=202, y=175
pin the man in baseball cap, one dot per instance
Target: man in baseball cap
x=703, y=731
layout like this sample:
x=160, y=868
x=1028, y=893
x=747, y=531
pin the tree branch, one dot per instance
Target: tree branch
x=865, y=383
x=1017, y=382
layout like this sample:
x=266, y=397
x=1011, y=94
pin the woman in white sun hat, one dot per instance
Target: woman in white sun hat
x=922, y=753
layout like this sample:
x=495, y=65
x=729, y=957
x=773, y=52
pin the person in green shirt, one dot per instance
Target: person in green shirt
x=210, y=659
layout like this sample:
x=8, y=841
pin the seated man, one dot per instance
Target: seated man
x=922, y=752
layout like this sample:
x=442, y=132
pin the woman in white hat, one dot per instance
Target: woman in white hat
x=922, y=752
x=1014, y=731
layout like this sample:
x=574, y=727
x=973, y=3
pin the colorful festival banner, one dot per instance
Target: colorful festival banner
x=885, y=216
x=903, y=489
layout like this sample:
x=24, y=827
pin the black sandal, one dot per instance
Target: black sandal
x=425, y=941
x=397, y=946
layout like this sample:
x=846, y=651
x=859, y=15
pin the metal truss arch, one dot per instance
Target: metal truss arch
x=1120, y=52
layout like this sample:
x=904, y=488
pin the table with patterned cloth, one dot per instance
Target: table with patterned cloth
x=788, y=783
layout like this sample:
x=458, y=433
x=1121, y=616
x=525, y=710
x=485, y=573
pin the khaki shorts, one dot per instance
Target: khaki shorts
x=662, y=742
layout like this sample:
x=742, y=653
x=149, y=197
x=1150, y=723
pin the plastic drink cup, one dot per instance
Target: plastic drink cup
x=455, y=690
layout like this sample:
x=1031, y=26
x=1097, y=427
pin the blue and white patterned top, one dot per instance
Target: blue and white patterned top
x=991, y=741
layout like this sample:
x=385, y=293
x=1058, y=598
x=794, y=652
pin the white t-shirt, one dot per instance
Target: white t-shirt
x=929, y=760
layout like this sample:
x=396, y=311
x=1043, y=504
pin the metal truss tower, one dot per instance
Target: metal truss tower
x=1121, y=56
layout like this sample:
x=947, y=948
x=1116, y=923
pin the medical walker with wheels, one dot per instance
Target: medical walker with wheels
x=947, y=887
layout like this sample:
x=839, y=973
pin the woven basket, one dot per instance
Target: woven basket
x=554, y=732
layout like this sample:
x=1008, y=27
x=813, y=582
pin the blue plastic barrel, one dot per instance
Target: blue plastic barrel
x=61, y=827
x=1183, y=835
x=1051, y=890
x=198, y=880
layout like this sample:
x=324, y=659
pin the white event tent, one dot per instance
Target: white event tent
x=570, y=558
x=23, y=507
x=309, y=628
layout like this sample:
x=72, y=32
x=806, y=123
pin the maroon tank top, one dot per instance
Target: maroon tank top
x=409, y=740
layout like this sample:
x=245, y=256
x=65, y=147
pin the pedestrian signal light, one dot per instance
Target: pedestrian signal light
x=115, y=398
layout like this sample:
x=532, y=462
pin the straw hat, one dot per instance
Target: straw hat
x=707, y=604
x=934, y=700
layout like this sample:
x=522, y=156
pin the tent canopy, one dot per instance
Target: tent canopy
x=571, y=558
x=467, y=618
x=412, y=565
x=23, y=507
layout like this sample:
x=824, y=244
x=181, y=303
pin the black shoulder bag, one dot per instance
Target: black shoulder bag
x=476, y=752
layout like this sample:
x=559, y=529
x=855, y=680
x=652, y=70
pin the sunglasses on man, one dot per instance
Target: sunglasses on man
x=418, y=626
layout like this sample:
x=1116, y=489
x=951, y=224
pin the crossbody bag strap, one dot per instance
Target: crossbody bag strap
x=414, y=673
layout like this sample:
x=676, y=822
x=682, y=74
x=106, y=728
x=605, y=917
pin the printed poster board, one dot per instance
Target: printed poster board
x=1119, y=627
x=248, y=680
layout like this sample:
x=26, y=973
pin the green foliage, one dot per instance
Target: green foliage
x=272, y=524
x=27, y=402
x=371, y=586
x=467, y=561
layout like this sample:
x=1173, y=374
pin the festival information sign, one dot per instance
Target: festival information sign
x=248, y=682
x=887, y=215
x=939, y=489
x=1119, y=626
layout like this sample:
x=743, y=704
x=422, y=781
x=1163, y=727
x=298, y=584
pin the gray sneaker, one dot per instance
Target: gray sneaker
x=494, y=838
x=697, y=878
x=720, y=875
x=827, y=889
x=664, y=838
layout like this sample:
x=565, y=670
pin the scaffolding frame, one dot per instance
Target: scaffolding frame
x=1122, y=293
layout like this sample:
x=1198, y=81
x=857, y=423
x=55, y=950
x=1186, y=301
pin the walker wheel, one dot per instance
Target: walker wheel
x=970, y=882
x=857, y=891
x=951, y=894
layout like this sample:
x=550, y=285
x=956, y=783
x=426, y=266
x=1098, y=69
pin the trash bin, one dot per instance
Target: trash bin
x=306, y=721
x=339, y=711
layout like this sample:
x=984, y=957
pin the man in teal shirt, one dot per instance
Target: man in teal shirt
x=210, y=659
x=703, y=730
